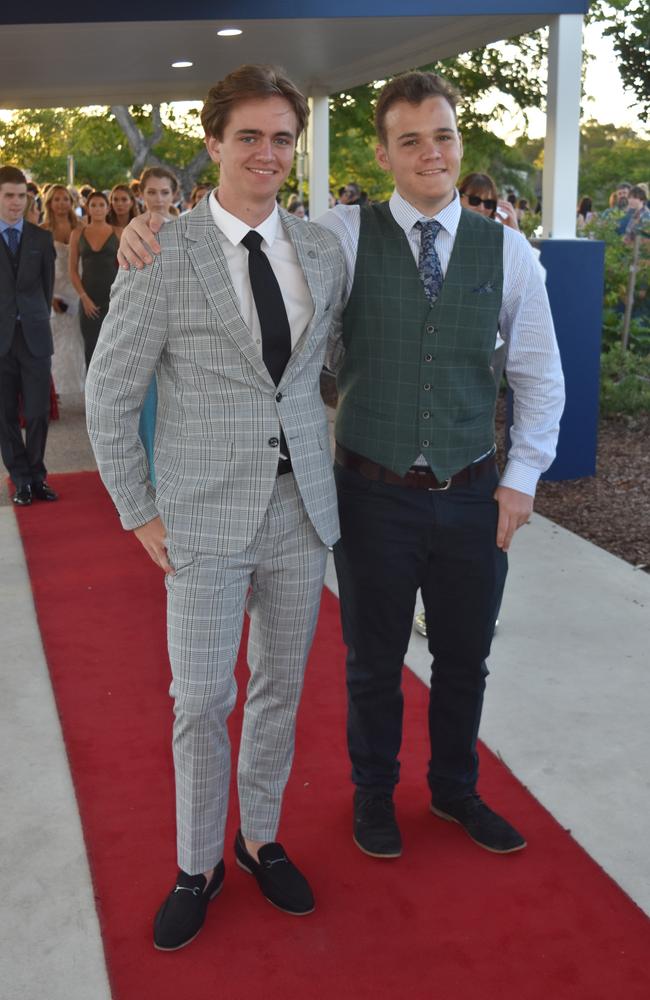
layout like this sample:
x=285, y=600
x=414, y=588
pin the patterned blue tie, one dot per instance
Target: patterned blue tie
x=429, y=261
x=13, y=239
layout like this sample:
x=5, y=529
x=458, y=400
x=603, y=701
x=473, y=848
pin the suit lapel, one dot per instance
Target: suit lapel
x=308, y=254
x=211, y=268
x=27, y=243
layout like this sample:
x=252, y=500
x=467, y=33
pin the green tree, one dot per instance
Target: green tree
x=41, y=140
x=609, y=154
x=627, y=23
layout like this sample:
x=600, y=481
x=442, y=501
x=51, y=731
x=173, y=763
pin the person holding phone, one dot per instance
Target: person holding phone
x=478, y=193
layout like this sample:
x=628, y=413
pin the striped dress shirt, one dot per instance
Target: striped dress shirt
x=533, y=364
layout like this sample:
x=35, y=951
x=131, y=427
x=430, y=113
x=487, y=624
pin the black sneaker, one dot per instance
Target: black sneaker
x=181, y=916
x=278, y=878
x=375, y=828
x=485, y=827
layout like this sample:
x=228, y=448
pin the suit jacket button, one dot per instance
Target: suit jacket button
x=274, y=442
x=278, y=398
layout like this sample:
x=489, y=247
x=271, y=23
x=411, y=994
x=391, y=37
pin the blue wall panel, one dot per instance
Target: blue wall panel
x=575, y=278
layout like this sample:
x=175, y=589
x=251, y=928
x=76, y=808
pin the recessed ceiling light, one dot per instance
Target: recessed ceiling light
x=229, y=32
x=182, y=64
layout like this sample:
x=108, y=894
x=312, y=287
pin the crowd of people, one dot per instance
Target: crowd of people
x=627, y=205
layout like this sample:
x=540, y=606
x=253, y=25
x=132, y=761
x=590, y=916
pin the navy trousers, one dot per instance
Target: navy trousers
x=395, y=540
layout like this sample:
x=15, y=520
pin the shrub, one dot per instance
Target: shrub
x=624, y=382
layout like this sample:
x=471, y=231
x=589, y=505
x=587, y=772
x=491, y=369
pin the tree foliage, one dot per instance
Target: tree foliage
x=609, y=154
x=627, y=23
x=106, y=151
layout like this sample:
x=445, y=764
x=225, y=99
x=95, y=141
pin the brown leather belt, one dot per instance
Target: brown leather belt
x=413, y=480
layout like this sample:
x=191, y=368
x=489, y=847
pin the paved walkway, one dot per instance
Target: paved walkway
x=566, y=709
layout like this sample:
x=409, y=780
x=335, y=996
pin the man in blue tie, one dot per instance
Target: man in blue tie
x=26, y=284
x=421, y=502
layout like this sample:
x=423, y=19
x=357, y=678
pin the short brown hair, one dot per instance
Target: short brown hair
x=245, y=84
x=413, y=88
x=12, y=175
x=163, y=174
x=636, y=191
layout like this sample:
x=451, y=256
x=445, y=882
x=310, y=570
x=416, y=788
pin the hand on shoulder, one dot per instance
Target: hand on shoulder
x=138, y=243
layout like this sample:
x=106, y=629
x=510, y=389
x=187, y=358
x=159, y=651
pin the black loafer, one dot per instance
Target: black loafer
x=278, y=878
x=485, y=827
x=41, y=491
x=181, y=916
x=375, y=828
x=23, y=496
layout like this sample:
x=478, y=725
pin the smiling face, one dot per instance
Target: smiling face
x=13, y=198
x=255, y=155
x=423, y=151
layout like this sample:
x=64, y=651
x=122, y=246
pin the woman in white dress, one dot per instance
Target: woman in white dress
x=68, y=360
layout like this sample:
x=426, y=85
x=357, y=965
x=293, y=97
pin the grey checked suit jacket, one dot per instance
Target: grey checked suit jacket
x=218, y=407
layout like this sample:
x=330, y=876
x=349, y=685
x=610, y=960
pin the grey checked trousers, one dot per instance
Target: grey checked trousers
x=281, y=573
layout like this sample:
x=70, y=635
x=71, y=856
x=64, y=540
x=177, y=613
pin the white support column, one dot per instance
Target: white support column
x=319, y=155
x=561, y=149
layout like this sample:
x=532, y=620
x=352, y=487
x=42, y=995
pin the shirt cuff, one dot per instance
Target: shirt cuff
x=518, y=476
x=135, y=518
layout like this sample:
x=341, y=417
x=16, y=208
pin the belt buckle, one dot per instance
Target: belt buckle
x=440, y=489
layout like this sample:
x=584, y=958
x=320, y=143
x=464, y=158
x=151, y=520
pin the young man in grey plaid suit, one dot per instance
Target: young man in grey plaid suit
x=232, y=318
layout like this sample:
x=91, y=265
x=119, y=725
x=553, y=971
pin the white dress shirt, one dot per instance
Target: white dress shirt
x=532, y=361
x=284, y=262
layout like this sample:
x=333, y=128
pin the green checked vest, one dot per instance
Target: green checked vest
x=417, y=379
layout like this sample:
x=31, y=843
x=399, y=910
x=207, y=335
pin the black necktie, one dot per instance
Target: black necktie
x=274, y=323
x=276, y=335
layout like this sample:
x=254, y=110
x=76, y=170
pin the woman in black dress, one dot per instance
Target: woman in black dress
x=95, y=247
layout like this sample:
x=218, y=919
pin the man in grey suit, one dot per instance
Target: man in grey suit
x=26, y=285
x=232, y=318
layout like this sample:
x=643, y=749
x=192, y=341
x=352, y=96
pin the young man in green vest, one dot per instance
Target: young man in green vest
x=421, y=504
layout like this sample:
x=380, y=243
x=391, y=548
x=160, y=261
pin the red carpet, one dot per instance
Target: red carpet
x=447, y=921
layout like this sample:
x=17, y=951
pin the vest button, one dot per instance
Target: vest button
x=425, y=444
x=274, y=442
x=428, y=357
x=278, y=398
x=426, y=415
x=431, y=329
x=426, y=387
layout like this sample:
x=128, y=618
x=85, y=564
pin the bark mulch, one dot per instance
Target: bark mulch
x=612, y=508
